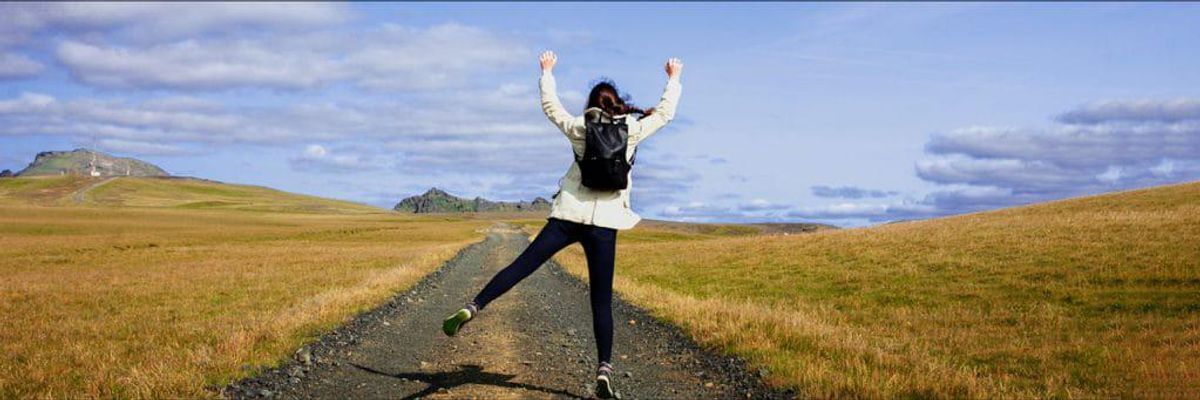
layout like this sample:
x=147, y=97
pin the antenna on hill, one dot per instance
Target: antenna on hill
x=94, y=172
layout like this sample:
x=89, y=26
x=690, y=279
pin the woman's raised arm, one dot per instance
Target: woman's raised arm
x=664, y=112
x=553, y=108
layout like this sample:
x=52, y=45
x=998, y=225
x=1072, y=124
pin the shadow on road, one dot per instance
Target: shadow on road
x=465, y=375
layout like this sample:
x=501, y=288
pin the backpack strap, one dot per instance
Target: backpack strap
x=633, y=157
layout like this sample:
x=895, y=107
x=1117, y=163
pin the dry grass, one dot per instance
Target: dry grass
x=144, y=302
x=1083, y=298
x=197, y=194
x=42, y=190
x=182, y=193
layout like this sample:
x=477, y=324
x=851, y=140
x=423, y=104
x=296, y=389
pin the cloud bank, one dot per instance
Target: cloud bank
x=1096, y=148
x=387, y=57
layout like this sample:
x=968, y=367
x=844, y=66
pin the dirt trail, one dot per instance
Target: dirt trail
x=80, y=196
x=534, y=342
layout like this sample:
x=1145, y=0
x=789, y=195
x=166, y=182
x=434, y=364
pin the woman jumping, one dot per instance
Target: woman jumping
x=581, y=213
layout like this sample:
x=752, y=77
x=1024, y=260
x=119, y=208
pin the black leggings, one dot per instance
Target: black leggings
x=599, y=244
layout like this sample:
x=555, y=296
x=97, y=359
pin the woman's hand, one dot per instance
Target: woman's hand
x=674, y=67
x=548, y=59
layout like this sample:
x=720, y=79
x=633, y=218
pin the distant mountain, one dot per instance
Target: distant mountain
x=88, y=162
x=437, y=201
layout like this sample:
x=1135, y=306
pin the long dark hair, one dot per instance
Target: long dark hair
x=605, y=96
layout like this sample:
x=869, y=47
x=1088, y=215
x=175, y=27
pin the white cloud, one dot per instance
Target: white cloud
x=1134, y=110
x=1030, y=175
x=470, y=118
x=15, y=66
x=660, y=178
x=158, y=22
x=26, y=102
x=398, y=57
x=841, y=210
x=136, y=147
x=195, y=65
x=315, y=151
x=849, y=192
x=389, y=57
x=484, y=154
x=757, y=205
x=695, y=210
x=237, y=45
x=316, y=158
x=755, y=210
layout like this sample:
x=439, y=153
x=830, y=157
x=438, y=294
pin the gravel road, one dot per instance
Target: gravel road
x=534, y=342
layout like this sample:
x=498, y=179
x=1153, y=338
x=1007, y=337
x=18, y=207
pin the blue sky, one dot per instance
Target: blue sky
x=845, y=113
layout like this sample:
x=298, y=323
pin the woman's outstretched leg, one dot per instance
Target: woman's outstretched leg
x=553, y=237
x=600, y=245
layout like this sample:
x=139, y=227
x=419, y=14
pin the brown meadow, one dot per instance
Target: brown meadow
x=184, y=289
x=1081, y=298
x=159, y=302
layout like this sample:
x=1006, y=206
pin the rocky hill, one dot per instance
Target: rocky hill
x=436, y=201
x=85, y=162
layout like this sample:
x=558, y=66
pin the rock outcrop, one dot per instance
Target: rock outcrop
x=438, y=201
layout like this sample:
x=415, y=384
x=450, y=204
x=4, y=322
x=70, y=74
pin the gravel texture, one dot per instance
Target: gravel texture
x=534, y=342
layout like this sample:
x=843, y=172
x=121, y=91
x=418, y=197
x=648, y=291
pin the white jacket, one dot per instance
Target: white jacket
x=575, y=202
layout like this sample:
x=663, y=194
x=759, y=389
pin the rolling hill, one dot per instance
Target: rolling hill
x=1093, y=297
x=84, y=162
x=168, y=192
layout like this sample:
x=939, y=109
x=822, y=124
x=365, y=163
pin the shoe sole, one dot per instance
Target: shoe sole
x=455, y=322
x=604, y=389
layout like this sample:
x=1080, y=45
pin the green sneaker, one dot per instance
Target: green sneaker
x=455, y=321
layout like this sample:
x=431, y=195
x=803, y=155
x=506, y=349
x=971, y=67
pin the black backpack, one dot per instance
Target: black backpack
x=603, y=164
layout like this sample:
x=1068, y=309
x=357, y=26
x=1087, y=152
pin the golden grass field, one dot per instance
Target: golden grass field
x=1081, y=298
x=171, y=288
x=189, y=290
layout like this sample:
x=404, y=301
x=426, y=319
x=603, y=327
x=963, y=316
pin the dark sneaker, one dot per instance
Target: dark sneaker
x=604, y=385
x=454, y=323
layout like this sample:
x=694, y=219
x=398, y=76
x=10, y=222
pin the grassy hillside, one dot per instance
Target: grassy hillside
x=153, y=287
x=138, y=302
x=42, y=190
x=180, y=193
x=1082, y=298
